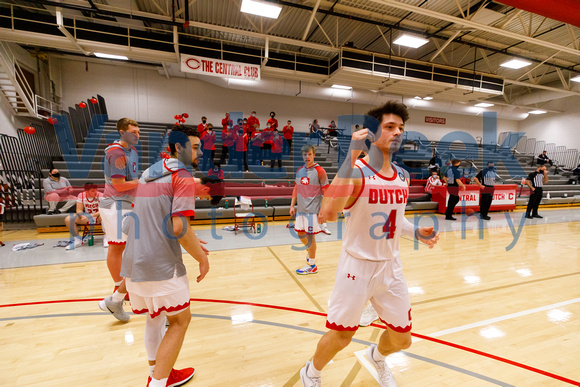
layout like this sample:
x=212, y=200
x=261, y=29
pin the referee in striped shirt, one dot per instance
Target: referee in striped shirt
x=536, y=181
x=487, y=177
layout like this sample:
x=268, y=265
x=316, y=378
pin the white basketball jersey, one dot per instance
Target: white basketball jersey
x=91, y=206
x=374, y=221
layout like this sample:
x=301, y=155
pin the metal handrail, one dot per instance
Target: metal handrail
x=16, y=75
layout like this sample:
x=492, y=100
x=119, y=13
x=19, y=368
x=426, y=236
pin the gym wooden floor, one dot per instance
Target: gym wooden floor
x=481, y=316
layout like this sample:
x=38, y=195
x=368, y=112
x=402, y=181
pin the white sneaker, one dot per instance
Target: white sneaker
x=386, y=378
x=77, y=242
x=325, y=229
x=306, y=380
x=116, y=308
x=369, y=315
x=105, y=242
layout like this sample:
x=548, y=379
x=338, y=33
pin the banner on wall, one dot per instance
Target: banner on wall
x=435, y=120
x=219, y=68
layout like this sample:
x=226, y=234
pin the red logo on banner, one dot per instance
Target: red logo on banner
x=435, y=120
x=192, y=63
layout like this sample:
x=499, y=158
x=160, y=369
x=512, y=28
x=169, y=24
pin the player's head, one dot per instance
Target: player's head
x=308, y=153
x=455, y=162
x=90, y=189
x=184, y=144
x=128, y=130
x=391, y=117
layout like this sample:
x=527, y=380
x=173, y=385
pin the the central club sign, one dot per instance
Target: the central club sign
x=219, y=68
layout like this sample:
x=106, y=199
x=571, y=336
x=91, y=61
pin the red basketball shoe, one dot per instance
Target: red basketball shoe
x=177, y=377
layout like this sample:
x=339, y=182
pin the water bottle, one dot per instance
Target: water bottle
x=259, y=228
x=266, y=203
x=91, y=240
x=548, y=195
x=227, y=204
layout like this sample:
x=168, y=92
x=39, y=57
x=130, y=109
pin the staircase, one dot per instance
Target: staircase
x=18, y=92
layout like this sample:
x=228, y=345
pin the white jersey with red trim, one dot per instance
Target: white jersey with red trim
x=375, y=221
x=90, y=205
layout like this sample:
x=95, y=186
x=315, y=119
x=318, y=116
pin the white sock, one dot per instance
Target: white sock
x=311, y=261
x=118, y=296
x=117, y=284
x=158, y=383
x=313, y=372
x=151, y=369
x=377, y=355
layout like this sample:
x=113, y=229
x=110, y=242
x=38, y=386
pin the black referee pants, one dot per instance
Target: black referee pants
x=453, y=200
x=534, y=202
x=485, y=200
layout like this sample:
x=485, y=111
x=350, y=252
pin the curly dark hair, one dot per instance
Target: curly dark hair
x=391, y=107
x=188, y=130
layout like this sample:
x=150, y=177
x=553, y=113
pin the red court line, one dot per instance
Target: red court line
x=438, y=341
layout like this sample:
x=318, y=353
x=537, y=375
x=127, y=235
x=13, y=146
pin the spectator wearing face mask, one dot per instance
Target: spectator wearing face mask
x=201, y=128
x=253, y=122
x=272, y=121
x=288, y=132
x=57, y=189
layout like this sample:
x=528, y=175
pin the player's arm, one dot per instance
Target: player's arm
x=347, y=183
x=191, y=244
x=121, y=184
x=293, y=201
x=80, y=209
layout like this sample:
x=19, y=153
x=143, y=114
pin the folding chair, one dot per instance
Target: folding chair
x=244, y=217
x=1, y=220
x=91, y=229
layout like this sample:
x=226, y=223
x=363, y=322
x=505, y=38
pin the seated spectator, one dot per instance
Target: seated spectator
x=543, y=159
x=216, y=172
x=87, y=212
x=57, y=189
x=432, y=181
x=314, y=127
x=277, y=143
x=332, y=129
x=576, y=172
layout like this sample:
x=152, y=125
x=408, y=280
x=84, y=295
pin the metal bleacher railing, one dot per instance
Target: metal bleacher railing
x=562, y=156
x=22, y=159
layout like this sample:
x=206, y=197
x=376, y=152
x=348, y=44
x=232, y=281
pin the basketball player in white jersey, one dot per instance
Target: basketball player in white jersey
x=372, y=193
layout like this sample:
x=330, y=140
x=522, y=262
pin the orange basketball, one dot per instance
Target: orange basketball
x=470, y=211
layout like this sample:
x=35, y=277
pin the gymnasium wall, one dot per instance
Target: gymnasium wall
x=559, y=128
x=145, y=95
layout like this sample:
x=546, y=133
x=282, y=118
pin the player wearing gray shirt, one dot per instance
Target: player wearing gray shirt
x=152, y=264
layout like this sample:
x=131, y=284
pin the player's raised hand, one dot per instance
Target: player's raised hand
x=427, y=235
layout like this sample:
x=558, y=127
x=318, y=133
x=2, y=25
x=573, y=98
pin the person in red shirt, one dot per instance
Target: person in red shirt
x=201, y=128
x=253, y=121
x=288, y=132
x=227, y=121
x=216, y=172
x=273, y=122
x=209, y=139
x=248, y=129
x=241, y=144
x=267, y=137
x=227, y=143
x=277, y=141
x=256, y=142
x=332, y=129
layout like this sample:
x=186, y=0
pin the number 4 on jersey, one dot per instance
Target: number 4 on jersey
x=390, y=225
